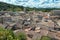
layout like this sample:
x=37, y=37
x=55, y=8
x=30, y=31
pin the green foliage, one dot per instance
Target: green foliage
x=9, y=35
x=6, y=34
x=45, y=38
x=21, y=36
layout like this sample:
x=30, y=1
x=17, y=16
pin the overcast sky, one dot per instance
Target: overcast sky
x=35, y=3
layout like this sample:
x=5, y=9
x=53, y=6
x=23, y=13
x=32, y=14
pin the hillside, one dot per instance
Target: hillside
x=10, y=7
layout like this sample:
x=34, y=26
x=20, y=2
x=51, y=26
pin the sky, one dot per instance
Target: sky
x=35, y=3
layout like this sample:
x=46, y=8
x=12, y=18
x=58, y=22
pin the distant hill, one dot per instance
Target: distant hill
x=10, y=7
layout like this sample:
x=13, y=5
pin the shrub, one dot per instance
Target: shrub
x=21, y=36
x=45, y=38
x=9, y=35
x=6, y=34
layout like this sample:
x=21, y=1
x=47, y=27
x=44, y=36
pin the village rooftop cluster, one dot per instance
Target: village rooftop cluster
x=34, y=24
